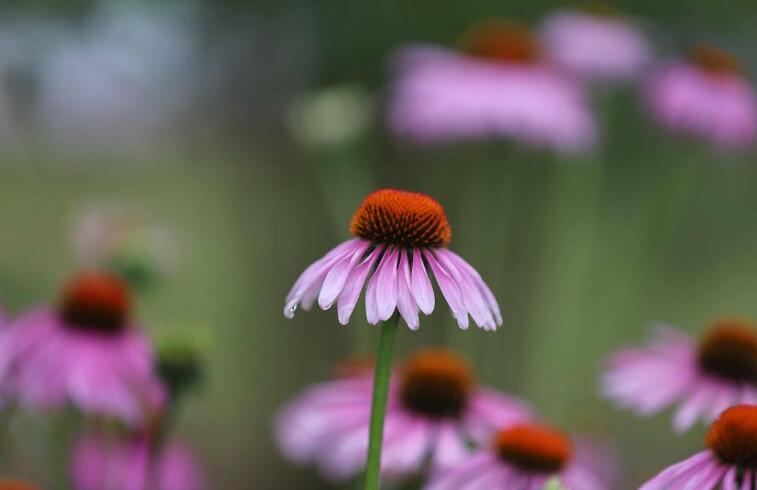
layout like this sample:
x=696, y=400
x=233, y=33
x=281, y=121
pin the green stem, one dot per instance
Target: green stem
x=381, y=378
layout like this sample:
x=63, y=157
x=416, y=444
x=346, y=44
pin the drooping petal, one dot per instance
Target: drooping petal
x=386, y=284
x=405, y=302
x=422, y=289
x=337, y=277
x=449, y=288
x=472, y=298
x=307, y=286
x=354, y=285
x=480, y=284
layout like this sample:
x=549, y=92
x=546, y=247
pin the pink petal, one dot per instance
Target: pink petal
x=386, y=284
x=450, y=290
x=405, y=301
x=473, y=300
x=354, y=285
x=422, y=289
x=337, y=276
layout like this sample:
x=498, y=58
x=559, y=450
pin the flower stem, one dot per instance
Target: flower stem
x=381, y=378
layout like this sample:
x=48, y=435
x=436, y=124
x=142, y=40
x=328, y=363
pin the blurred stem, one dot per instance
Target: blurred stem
x=563, y=278
x=381, y=378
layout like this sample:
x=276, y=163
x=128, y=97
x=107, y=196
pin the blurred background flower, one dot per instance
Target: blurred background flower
x=596, y=45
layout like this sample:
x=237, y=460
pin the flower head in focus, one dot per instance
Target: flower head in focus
x=527, y=456
x=498, y=86
x=705, y=96
x=596, y=45
x=728, y=463
x=435, y=411
x=401, y=242
x=702, y=378
x=86, y=350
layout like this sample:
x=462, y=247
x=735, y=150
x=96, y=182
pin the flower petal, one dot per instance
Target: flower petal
x=337, y=276
x=386, y=284
x=405, y=302
x=449, y=288
x=422, y=289
x=480, y=284
x=472, y=298
x=354, y=284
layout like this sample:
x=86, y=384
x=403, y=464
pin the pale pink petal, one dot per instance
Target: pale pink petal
x=386, y=284
x=422, y=289
x=405, y=302
x=480, y=284
x=450, y=290
x=337, y=277
x=472, y=298
x=354, y=285
x=307, y=286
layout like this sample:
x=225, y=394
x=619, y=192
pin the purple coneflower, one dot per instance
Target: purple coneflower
x=100, y=463
x=728, y=463
x=499, y=86
x=705, y=96
x=401, y=240
x=595, y=45
x=400, y=236
x=84, y=350
x=524, y=456
x=435, y=410
x=703, y=378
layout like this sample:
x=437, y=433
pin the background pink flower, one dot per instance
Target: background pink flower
x=595, y=46
x=501, y=89
x=524, y=456
x=702, y=379
x=85, y=351
x=101, y=463
x=435, y=410
x=706, y=97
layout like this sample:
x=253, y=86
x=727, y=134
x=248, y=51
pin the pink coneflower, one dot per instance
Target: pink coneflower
x=706, y=96
x=524, y=456
x=703, y=378
x=85, y=350
x=435, y=410
x=401, y=240
x=595, y=45
x=728, y=463
x=399, y=235
x=99, y=463
x=498, y=87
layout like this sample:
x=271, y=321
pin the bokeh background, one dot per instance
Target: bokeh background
x=251, y=130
